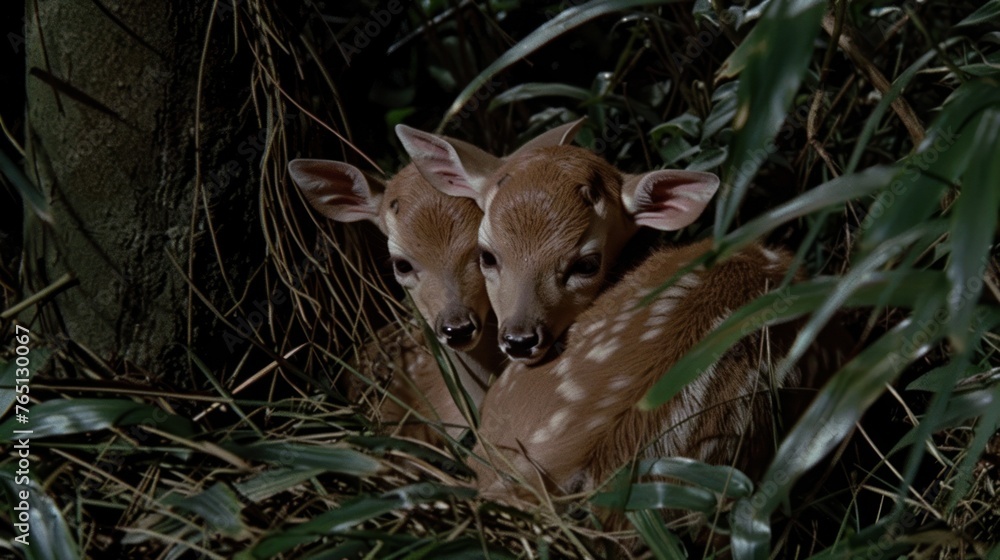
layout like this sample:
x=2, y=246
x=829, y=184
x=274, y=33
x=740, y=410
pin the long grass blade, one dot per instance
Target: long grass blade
x=49, y=538
x=75, y=416
x=830, y=418
x=770, y=72
x=566, y=20
x=972, y=228
x=901, y=288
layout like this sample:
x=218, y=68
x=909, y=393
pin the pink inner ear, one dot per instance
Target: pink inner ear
x=438, y=163
x=671, y=200
x=337, y=190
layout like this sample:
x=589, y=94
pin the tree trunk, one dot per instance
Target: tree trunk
x=113, y=96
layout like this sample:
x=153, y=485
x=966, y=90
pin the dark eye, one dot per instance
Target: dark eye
x=487, y=259
x=402, y=266
x=585, y=266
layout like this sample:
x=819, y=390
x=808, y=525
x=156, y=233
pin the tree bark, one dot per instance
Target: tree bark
x=113, y=97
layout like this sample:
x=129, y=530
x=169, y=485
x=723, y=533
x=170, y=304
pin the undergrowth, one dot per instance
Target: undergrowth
x=863, y=136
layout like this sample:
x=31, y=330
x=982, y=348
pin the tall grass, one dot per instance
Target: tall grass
x=861, y=135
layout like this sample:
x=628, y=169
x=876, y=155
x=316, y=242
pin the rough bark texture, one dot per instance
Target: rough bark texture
x=112, y=90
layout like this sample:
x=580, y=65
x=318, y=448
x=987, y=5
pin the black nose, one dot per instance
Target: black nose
x=519, y=345
x=459, y=333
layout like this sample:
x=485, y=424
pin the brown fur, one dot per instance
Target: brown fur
x=592, y=428
x=438, y=234
x=541, y=209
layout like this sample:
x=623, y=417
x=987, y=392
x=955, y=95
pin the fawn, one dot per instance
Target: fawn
x=432, y=244
x=555, y=220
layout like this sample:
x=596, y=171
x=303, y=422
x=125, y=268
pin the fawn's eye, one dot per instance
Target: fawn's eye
x=487, y=259
x=585, y=266
x=402, y=266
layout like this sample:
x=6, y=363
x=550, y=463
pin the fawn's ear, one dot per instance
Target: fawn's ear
x=668, y=199
x=338, y=190
x=558, y=136
x=451, y=166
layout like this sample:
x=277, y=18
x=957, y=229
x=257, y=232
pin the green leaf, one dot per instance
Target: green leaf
x=533, y=90
x=708, y=159
x=657, y=495
x=939, y=161
x=74, y=416
x=49, y=537
x=662, y=543
x=297, y=455
x=341, y=519
x=350, y=549
x=387, y=444
x=960, y=408
x=273, y=481
x=938, y=379
x=894, y=92
x=987, y=12
x=830, y=417
x=867, y=266
x=218, y=506
x=972, y=227
x=354, y=512
x=724, y=102
x=9, y=377
x=770, y=62
x=720, y=479
x=987, y=403
x=682, y=125
x=829, y=194
x=567, y=19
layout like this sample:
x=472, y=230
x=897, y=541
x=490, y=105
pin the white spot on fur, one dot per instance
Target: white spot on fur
x=663, y=306
x=571, y=390
x=556, y=423
x=601, y=352
x=688, y=281
x=563, y=367
x=726, y=312
x=541, y=435
x=770, y=255
x=620, y=382
x=558, y=420
x=680, y=421
x=608, y=401
x=594, y=328
x=657, y=320
x=651, y=334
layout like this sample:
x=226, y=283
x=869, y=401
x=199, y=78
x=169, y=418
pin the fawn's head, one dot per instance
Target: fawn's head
x=431, y=236
x=555, y=220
